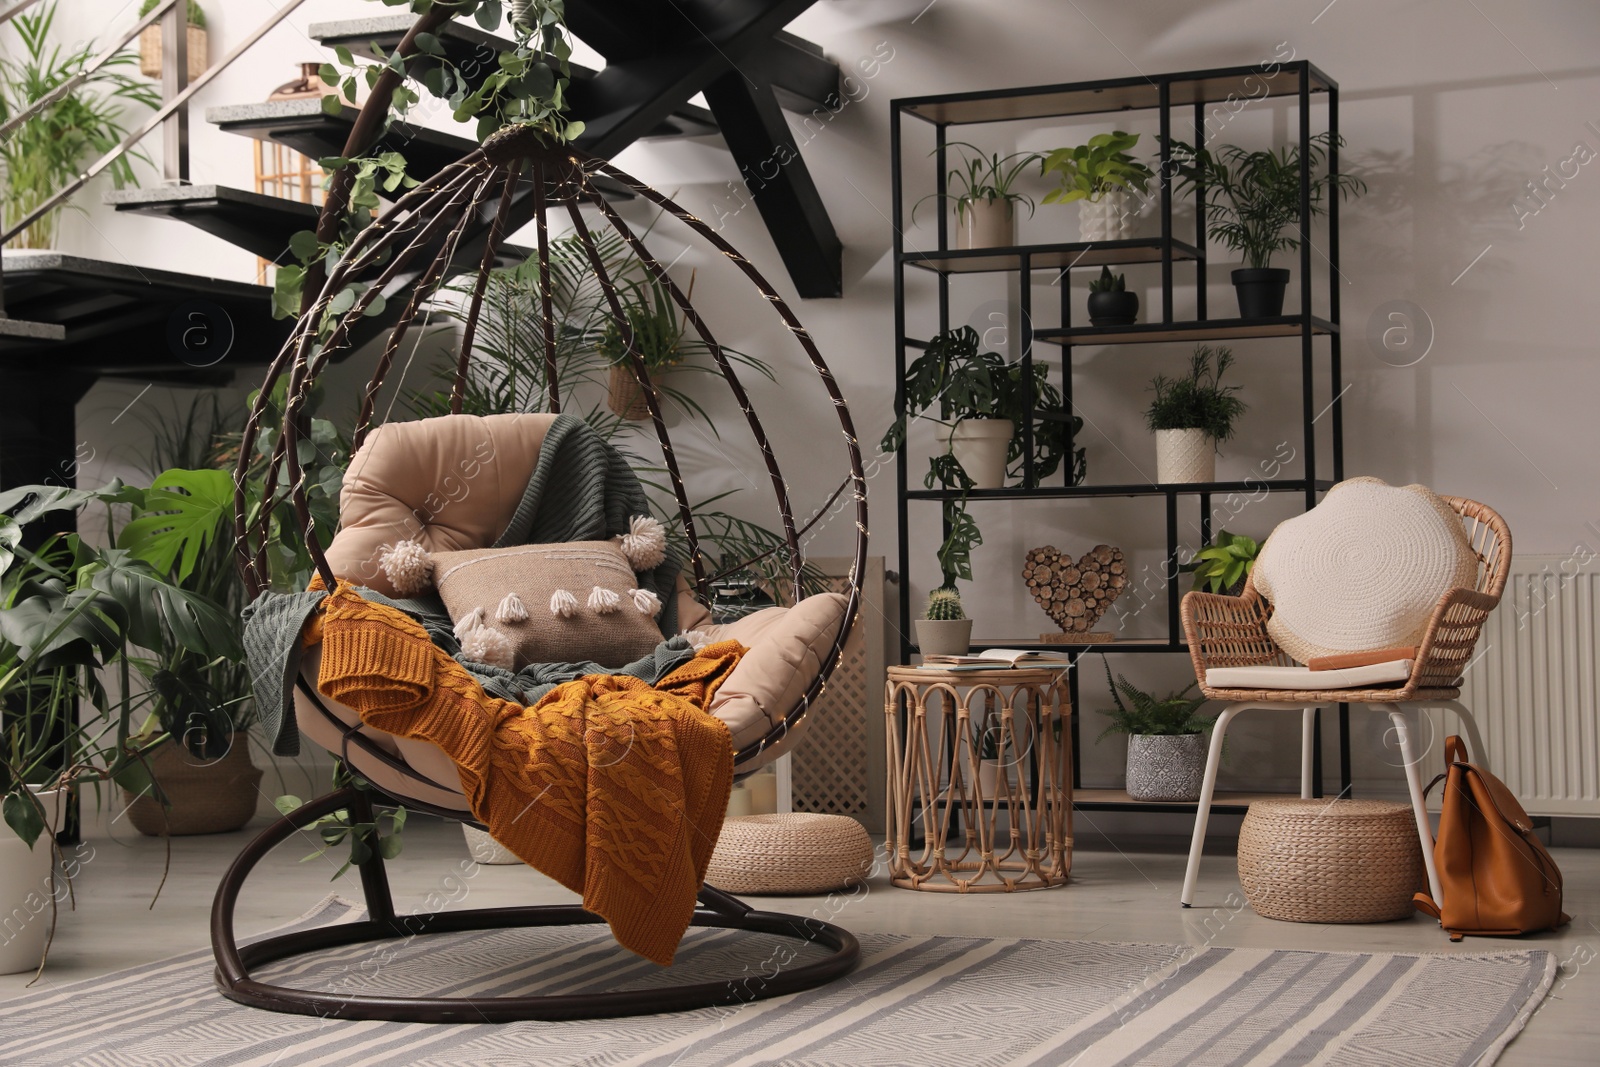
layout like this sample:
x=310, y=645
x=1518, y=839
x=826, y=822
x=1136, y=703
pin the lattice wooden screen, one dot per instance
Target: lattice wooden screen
x=838, y=768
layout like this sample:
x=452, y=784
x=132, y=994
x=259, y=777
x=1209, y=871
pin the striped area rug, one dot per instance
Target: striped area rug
x=928, y=1001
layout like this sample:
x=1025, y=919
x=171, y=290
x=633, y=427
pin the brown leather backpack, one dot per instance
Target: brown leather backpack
x=1496, y=877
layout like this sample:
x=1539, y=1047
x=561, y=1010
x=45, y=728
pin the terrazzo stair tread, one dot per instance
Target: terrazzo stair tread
x=24, y=330
x=249, y=220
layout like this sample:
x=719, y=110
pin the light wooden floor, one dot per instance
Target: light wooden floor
x=1115, y=895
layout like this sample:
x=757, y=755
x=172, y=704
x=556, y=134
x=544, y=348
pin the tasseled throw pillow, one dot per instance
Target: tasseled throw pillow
x=548, y=604
x=1362, y=570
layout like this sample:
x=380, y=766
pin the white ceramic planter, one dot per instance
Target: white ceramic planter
x=485, y=849
x=1109, y=218
x=1185, y=456
x=25, y=888
x=1166, y=766
x=993, y=776
x=943, y=637
x=980, y=445
x=985, y=224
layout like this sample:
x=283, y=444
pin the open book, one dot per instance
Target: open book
x=993, y=659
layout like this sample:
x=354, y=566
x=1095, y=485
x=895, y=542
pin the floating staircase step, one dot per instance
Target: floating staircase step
x=13, y=331
x=473, y=50
x=252, y=221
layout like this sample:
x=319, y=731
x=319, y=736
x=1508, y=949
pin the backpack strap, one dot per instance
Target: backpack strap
x=1455, y=750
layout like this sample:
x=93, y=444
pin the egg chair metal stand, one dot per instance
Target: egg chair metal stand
x=434, y=217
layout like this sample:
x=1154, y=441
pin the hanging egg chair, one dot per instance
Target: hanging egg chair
x=435, y=218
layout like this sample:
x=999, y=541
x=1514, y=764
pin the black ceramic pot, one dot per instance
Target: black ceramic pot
x=1113, y=309
x=1260, y=291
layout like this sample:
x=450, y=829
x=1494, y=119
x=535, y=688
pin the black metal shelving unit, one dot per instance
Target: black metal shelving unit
x=1196, y=93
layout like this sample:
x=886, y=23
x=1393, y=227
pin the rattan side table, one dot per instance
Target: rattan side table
x=998, y=828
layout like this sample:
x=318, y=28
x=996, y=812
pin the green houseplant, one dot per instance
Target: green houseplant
x=1099, y=175
x=1253, y=207
x=1191, y=415
x=1223, y=565
x=1166, y=739
x=983, y=403
x=1110, y=303
x=945, y=629
x=51, y=148
x=983, y=187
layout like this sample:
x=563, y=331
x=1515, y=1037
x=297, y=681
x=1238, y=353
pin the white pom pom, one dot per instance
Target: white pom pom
x=408, y=567
x=645, y=543
x=511, y=609
x=485, y=644
x=646, y=601
x=697, y=639
x=472, y=621
x=603, y=601
x=563, y=604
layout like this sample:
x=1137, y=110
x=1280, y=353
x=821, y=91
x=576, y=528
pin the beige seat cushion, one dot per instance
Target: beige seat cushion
x=1362, y=570
x=1364, y=677
x=449, y=483
x=613, y=633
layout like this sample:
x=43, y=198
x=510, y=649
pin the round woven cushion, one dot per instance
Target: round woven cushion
x=1362, y=570
x=1330, y=861
x=790, y=854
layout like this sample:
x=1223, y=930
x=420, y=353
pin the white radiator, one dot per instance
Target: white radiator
x=1533, y=685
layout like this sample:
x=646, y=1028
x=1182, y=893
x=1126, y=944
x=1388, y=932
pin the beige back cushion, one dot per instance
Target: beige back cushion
x=1362, y=570
x=449, y=483
x=611, y=634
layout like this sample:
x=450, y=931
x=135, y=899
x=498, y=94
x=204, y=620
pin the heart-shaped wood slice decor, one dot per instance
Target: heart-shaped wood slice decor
x=1075, y=594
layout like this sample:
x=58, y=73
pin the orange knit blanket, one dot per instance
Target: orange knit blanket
x=614, y=788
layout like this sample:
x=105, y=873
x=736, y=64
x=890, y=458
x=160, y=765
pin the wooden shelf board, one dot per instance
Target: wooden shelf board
x=1222, y=802
x=1208, y=330
x=1068, y=492
x=1051, y=257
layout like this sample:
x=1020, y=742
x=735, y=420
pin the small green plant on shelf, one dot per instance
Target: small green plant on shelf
x=1145, y=714
x=1090, y=171
x=968, y=383
x=1108, y=282
x=1110, y=303
x=1223, y=566
x=1252, y=197
x=944, y=605
x=1199, y=400
x=983, y=178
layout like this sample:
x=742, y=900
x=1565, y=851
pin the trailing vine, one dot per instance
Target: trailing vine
x=528, y=87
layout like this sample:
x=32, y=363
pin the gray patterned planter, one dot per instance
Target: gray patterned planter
x=1166, y=766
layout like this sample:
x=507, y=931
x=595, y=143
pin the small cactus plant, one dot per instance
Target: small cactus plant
x=944, y=605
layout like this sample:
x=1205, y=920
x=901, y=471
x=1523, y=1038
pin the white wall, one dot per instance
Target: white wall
x=1449, y=110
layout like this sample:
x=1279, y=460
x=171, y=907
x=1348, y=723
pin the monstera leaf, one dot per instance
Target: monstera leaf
x=178, y=519
x=151, y=601
x=27, y=502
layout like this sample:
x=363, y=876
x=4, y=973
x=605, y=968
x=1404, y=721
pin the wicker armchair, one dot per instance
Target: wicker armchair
x=1228, y=631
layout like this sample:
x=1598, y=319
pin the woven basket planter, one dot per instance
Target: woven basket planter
x=1330, y=861
x=207, y=796
x=150, y=52
x=626, y=396
x=791, y=854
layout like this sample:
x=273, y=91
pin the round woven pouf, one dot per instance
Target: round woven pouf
x=791, y=854
x=1330, y=861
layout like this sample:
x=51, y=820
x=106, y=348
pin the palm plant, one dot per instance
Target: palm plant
x=52, y=148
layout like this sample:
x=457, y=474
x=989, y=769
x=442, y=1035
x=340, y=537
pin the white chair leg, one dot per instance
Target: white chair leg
x=1308, y=744
x=1398, y=714
x=1207, y=788
x=1475, y=748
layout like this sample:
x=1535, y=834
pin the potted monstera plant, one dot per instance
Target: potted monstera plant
x=1166, y=740
x=1101, y=176
x=1253, y=207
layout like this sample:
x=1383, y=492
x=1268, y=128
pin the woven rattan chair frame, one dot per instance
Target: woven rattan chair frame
x=1226, y=631
x=433, y=219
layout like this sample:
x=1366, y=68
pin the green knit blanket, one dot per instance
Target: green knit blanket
x=581, y=489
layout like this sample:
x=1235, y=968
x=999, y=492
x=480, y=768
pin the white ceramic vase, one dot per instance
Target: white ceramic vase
x=1185, y=456
x=943, y=637
x=25, y=889
x=485, y=849
x=1110, y=218
x=985, y=224
x=1166, y=766
x=993, y=776
x=980, y=446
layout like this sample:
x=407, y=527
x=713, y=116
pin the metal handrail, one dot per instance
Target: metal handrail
x=166, y=110
x=12, y=12
x=83, y=75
